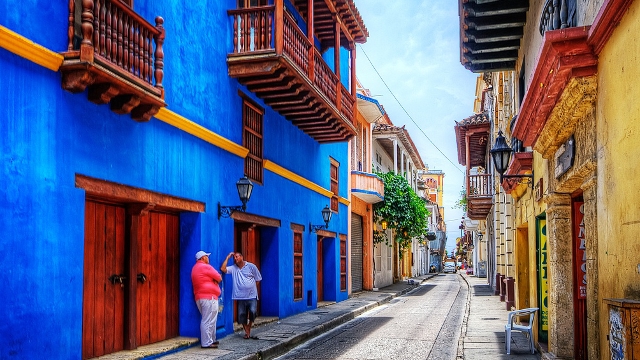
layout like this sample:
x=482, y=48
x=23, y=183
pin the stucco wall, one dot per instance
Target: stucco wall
x=48, y=135
x=618, y=126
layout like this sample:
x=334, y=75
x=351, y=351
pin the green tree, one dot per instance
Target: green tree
x=402, y=209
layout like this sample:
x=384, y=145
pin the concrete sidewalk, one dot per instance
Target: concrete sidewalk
x=275, y=336
x=482, y=335
x=483, y=326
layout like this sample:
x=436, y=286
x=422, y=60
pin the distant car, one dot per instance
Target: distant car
x=449, y=267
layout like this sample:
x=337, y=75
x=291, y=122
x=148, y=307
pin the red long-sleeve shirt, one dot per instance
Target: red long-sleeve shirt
x=205, y=281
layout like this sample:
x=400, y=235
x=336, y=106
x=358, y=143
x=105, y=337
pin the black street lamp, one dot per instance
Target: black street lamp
x=245, y=187
x=326, y=216
x=501, y=154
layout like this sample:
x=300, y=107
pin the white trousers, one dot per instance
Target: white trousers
x=209, y=310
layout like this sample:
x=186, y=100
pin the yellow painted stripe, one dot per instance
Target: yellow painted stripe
x=201, y=132
x=29, y=50
x=344, y=201
x=279, y=170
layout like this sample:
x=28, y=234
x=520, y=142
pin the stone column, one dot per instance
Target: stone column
x=589, y=195
x=559, y=242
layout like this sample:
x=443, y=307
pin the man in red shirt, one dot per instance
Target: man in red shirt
x=205, y=281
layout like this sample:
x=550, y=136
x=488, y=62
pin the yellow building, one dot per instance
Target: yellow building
x=560, y=86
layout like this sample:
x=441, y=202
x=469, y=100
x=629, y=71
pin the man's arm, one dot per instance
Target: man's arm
x=223, y=267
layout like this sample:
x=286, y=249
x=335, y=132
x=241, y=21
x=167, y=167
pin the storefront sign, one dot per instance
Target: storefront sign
x=579, y=249
x=543, y=275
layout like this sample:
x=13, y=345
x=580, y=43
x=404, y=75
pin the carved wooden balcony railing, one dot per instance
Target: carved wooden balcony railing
x=275, y=60
x=479, y=196
x=366, y=186
x=557, y=14
x=116, y=54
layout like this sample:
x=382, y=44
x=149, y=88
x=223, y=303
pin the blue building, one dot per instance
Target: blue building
x=125, y=129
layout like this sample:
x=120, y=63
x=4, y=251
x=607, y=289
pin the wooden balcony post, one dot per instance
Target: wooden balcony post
x=310, y=26
x=279, y=16
x=352, y=52
x=86, y=47
x=159, y=55
x=336, y=60
x=468, y=162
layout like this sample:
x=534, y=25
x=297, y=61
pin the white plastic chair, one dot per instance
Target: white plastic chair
x=526, y=329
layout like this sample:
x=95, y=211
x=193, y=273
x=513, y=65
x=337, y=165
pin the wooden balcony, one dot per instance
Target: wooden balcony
x=276, y=61
x=479, y=196
x=367, y=187
x=117, y=55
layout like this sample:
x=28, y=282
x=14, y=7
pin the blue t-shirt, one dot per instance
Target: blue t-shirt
x=244, y=281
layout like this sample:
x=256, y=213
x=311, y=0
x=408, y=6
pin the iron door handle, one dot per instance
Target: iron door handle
x=142, y=278
x=117, y=279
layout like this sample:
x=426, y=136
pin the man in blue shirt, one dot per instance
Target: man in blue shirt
x=245, y=275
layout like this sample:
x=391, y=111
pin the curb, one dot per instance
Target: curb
x=465, y=321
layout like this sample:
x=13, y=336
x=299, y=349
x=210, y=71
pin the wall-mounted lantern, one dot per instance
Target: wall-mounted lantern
x=501, y=154
x=326, y=216
x=384, y=224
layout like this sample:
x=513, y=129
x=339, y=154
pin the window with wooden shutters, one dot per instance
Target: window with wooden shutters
x=252, y=140
x=343, y=262
x=334, y=185
x=251, y=3
x=297, y=266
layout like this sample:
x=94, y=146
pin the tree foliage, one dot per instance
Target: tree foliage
x=462, y=202
x=402, y=209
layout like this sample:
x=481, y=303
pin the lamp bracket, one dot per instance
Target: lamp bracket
x=513, y=180
x=315, y=228
x=226, y=211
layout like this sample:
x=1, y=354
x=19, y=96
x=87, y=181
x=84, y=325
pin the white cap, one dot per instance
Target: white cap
x=200, y=254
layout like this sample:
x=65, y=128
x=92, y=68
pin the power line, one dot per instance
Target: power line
x=406, y=112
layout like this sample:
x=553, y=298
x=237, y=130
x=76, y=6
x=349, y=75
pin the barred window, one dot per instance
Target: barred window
x=252, y=140
x=297, y=266
x=334, y=185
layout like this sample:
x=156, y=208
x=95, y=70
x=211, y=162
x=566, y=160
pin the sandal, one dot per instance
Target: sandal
x=246, y=336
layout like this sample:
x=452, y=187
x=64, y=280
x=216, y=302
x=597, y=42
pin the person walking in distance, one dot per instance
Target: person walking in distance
x=245, y=275
x=206, y=290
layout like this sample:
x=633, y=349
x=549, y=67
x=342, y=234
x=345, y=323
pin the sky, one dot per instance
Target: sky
x=411, y=65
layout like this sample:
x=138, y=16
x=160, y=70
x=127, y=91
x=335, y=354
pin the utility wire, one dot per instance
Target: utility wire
x=406, y=112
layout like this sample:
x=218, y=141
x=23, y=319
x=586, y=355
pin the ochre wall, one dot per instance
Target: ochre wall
x=618, y=129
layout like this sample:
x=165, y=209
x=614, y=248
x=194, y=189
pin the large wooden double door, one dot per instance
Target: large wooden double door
x=131, y=277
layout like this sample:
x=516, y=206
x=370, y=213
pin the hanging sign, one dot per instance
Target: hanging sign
x=564, y=157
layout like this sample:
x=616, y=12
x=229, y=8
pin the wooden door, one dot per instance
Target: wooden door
x=158, y=276
x=110, y=279
x=247, y=242
x=320, y=272
x=103, y=299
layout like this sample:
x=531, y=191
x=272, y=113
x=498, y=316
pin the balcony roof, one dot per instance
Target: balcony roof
x=490, y=33
x=369, y=108
x=384, y=133
x=350, y=19
x=477, y=127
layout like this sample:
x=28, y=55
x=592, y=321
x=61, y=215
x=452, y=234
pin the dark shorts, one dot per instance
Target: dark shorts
x=247, y=308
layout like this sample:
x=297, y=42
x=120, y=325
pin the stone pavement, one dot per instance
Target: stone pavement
x=483, y=326
x=482, y=335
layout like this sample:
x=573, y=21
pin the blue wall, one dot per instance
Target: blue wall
x=48, y=135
